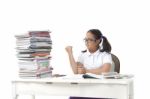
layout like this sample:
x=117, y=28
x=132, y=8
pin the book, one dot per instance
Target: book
x=109, y=75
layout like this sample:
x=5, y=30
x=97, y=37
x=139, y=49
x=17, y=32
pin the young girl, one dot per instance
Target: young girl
x=96, y=59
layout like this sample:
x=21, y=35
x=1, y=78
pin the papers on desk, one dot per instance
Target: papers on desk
x=74, y=76
x=33, y=53
x=110, y=75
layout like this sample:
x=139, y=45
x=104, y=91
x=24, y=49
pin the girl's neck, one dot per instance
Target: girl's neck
x=93, y=50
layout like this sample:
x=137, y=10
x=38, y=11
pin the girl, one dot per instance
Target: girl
x=96, y=59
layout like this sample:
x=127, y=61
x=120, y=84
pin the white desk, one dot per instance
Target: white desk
x=106, y=88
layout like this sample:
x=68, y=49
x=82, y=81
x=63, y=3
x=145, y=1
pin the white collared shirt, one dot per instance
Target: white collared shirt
x=95, y=60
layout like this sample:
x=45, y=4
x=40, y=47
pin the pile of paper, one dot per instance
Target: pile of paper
x=109, y=75
x=33, y=53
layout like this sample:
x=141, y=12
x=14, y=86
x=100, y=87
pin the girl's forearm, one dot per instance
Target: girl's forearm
x=94, y=71
x=104, y=68
x=73, y=63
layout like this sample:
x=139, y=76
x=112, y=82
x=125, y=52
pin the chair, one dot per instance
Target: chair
x=116, y=61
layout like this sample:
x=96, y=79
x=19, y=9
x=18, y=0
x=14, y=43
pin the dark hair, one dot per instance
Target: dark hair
x=98, y=35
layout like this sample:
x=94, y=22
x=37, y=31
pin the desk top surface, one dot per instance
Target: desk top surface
x=74, y=79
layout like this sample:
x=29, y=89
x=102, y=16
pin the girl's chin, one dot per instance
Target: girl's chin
x=88, y=48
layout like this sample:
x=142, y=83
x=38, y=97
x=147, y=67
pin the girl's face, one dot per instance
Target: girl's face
x=90, y=41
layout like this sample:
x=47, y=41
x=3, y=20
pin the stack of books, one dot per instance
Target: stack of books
x=33, y=53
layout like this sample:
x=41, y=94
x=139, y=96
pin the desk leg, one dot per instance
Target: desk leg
x=33, y=96
x=14, y=94
x=16, y=97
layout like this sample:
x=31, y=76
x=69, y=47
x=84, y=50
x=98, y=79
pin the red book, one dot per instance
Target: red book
x=39, y=33
x=40, y=54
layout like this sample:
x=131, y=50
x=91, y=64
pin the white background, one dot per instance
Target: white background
x=124, y=22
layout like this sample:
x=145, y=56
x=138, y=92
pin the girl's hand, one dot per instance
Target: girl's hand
x=69, y=49
x=81, y=70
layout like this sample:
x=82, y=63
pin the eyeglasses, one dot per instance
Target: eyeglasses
x=89, y=40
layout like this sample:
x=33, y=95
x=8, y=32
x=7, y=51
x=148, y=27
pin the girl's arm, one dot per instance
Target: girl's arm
x=73, y=63
x=105, y=68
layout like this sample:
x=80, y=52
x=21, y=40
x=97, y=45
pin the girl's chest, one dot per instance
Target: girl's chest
x=93, y=61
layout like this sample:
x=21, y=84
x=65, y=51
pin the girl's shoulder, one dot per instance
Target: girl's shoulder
x=105, y=53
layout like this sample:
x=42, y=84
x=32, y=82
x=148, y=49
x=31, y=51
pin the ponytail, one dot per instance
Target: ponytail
x=105, y=45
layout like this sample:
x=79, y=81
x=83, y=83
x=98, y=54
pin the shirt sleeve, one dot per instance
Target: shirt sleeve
x=80, y=58
x=107, y=58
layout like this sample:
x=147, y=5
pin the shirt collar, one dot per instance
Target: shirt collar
x=95, y=53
